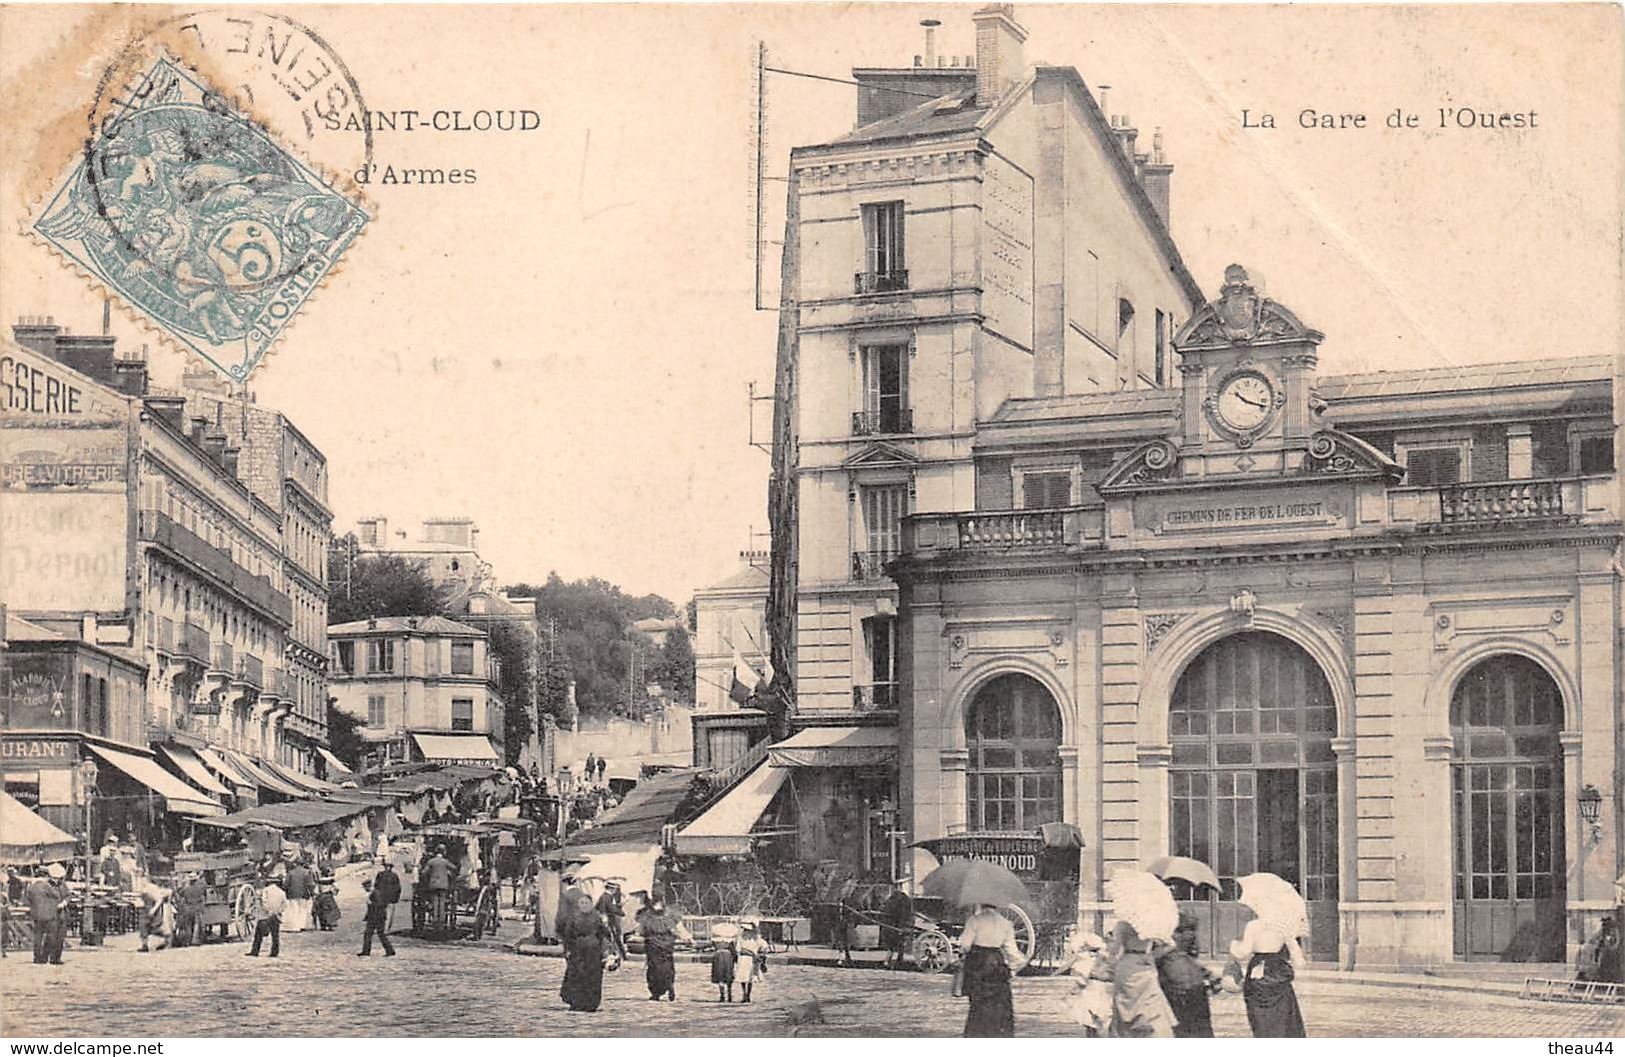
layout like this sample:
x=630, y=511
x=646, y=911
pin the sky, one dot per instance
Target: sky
x=562, y=349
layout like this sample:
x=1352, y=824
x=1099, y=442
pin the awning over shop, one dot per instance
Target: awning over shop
x=836, y=747
x=309, y=783
x=218, y=763
x=194, y=769
x=26, y=839
x=181, y=798
x=456, y=748
x=334, y=764
x=725, y=828
x=261, y=776
x=296, y=814
x=639, y=819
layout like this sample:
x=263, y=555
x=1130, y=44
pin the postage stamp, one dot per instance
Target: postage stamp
x=197, y=219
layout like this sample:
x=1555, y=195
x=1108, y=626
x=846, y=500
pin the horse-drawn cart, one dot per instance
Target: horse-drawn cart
x=470, y=907
x=232, y=900
x=934, y=947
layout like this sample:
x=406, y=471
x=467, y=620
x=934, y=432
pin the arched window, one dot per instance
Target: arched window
x=1013, y=733
x=1510, y=864
x=1252, y=784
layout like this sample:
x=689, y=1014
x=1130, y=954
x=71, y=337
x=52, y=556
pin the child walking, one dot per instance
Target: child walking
x=752, y=953
x=723, y=962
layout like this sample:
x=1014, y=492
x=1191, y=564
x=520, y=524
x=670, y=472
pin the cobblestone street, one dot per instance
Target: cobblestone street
x=320, y=988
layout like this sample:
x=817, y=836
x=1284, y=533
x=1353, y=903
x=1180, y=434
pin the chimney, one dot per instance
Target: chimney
x=38, y=333
x=89, y=354
x=214, y=443
x=199, y=424
x=1158, y=175
x=998, y=52
x=230, y=458
x=171, y=409
x=930, y=25
x=131, y=376
x=1126, y=135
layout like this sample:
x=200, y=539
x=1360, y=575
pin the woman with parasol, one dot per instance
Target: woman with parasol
x=987, y=945
x=1146, y=914
x=1267, y=956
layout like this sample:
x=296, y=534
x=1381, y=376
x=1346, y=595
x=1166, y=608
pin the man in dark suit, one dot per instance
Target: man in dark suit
x=383, y=892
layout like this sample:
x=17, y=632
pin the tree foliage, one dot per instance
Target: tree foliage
x=344, y=737
x=590, y=620
x=673, y=666
x=385, y=585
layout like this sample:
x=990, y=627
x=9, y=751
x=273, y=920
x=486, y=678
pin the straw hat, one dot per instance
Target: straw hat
x=55, y=871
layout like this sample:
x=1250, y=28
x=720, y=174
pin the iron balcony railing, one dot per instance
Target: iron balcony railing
x=194, y=643
x=871, y=565
x=1501, y=501
x=251, y=671
x=885, y=282
x=885, y=420
x=874, y=696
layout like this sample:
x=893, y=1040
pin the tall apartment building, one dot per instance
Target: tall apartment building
x=130, y=530
x=286, y=470
x=985, y=233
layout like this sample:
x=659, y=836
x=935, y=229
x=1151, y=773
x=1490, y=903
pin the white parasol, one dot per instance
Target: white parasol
x=1276, y=903
x=1140, y=900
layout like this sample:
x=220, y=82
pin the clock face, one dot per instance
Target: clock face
x=1245, y=401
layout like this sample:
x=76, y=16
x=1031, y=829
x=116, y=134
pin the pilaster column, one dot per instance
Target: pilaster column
x=954, y=764
x=1153, y=761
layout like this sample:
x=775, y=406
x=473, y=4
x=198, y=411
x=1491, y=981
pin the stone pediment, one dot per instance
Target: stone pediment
x=880, y=453
x=1149, y=464
x=1241, y=317
x=1337, y=454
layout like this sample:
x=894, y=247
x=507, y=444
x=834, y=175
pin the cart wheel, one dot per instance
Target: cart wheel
x=485, y=913
x=933, y=952
x=242, y=911
x=1026, y=933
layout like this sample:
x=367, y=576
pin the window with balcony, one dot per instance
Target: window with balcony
x=882, y=508
x=885, y=392
x=462, y=713
x=380, y=655
x=884, y=267
x=880, y=648
x=376, y=712
x=462, y=658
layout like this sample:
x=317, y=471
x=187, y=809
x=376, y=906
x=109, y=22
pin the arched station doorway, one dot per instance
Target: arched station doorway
x=1252, y=784
x=1507, y=781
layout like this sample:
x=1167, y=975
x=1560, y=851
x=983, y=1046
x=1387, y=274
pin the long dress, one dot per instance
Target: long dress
x=1185, y=984
x=1272, y=1004
x=988, y=943
x=583, y=934
x=987, y=984
x=659, y=931
x=1139, y=1008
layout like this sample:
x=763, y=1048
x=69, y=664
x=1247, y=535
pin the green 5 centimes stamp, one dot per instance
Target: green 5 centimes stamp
x=195, y=217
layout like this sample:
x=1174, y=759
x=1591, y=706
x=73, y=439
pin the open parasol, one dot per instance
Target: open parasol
x=1142, y=900
x=974, y=882
x=1276, y=903
x=1181, y=868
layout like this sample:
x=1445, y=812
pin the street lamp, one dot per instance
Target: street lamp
x=87, y=777
x=1590, y=802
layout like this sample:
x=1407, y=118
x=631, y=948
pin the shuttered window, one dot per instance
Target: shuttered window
x=1044, y=491
x=883, y=510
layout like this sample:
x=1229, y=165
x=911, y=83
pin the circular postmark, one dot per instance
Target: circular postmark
x=179, y=187
x=212, y=179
